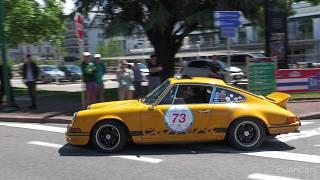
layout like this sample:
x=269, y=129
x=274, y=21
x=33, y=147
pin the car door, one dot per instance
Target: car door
x=181, y=114
x=225, y=102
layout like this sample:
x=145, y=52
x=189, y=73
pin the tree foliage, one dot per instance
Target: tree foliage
x=167, y=22
x=28, y=21
x=114, y=48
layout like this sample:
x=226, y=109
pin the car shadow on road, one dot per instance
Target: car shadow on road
x=219, y=147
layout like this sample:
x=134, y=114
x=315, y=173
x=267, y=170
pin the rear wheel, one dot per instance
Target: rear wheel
x=109, y=136
x=246, y=134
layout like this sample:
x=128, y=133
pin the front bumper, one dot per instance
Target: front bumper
x=284, y=128
x=78, y=138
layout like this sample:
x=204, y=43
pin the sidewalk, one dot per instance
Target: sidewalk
x=60, y=108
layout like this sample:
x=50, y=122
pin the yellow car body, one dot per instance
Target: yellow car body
x=165, y=121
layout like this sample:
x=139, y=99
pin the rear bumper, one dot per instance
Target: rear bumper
x=284, y=128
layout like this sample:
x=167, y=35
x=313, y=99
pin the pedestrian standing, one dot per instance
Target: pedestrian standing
x=30, y=72
x=137, y=80
x=101, y=70
x=89, y=78
x=155, y=70
x=125, y=78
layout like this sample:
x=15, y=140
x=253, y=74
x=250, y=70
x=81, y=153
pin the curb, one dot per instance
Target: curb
x=310, y=117
x=34, y=119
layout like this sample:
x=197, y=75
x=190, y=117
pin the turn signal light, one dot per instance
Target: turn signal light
x=75, y=130
x=291, y=120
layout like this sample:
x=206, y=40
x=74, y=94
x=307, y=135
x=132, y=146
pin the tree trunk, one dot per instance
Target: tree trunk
x=165, y=47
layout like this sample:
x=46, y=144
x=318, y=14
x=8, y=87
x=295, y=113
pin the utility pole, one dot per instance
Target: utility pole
x=5, y=70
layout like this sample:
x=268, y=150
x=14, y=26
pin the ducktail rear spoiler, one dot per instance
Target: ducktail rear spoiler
x=279, y=98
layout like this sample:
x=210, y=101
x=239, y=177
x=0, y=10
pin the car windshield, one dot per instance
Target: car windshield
x=155, y=94
x=49, y=68
x=75, y=69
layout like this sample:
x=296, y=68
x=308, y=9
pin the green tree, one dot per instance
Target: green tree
x=102, y=49
x=167, y=22
x=114, y=48
x=28, y=21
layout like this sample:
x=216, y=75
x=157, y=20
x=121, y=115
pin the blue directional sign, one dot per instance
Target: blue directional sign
x=227, y=32
x=227, y=18
x=227, y=14
x=228, y=23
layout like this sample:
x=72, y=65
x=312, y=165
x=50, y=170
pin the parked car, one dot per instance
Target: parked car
x=143, y=68
x=200, y=68
x=72, y=72
x=50, y=73
x=185, y=110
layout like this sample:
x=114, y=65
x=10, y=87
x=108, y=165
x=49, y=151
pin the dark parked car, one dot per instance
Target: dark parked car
x=73, y=72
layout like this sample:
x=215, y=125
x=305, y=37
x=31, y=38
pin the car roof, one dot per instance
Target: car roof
x=197, y=80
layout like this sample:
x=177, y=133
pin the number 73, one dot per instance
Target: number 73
x=180, y=117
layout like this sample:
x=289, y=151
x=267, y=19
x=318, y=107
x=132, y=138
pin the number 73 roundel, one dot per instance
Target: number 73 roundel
x=178, y=118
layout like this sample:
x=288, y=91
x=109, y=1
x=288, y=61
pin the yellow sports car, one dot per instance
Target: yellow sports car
x=185, y=110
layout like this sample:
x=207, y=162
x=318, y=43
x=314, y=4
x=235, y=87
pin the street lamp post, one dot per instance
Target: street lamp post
x=5, y=70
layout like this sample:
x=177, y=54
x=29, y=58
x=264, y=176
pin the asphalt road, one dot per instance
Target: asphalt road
x=39, y=151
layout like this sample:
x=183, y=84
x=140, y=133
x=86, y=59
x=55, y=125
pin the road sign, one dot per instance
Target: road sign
x=227, y=14
x=227, y=18
x=79, y=24
x=228, y=32
x=228, y=23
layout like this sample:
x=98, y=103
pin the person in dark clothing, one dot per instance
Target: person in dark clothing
x=155, y=70
x=89, y=78
x=215, y=71
x=30, y=72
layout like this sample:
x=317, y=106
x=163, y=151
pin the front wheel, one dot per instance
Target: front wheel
x=109, y=136
x=246, y=134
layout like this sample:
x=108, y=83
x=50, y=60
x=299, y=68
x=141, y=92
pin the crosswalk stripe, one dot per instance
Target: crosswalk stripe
x=286, y=156
x=140, y=158
x=295, y=136
x=303, y=123
x=34, y=127
x=258, y=176
x=130, y=157
x=39, y=143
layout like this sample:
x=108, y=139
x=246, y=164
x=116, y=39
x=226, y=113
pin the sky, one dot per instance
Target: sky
x=68, y=6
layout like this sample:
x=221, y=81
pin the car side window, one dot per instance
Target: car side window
x=224, y=95
x=193, y=94
x=169, y=97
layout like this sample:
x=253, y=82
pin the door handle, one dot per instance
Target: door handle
x=204, y=111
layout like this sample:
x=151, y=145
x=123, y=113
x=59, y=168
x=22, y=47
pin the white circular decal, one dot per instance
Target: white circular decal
x=178, y=118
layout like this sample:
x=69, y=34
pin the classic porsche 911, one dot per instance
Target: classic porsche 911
x=185, y=110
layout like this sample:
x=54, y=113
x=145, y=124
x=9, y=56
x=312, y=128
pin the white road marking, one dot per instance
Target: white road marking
x=286, y=156
x=258, y=176
x=307, y=122
x=34, y=127
x=295, y=136
x=130, y=157
x=140, y=158
x=46, y=144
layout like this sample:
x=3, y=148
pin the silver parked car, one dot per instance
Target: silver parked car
x=50, y=73
x=200, y=68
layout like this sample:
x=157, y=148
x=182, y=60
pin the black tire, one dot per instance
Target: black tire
x=246, y=134
x=109, y=136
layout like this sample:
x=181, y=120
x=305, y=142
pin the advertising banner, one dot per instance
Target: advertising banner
x=261, y=75
x=298, y=80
